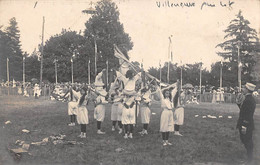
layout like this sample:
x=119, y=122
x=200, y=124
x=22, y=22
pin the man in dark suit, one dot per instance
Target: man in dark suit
x=245, y=123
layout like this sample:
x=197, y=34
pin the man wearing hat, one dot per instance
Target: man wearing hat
x=245, y=122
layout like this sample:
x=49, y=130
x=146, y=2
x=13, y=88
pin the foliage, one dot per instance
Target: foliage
x=10, y=48
x=239, y=35
x=105, y=28
x=62, y=47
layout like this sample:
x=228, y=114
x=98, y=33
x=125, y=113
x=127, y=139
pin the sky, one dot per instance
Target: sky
x=195, y=31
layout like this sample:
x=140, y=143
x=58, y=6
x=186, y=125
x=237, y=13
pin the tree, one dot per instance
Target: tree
x=62, y=47
x=10, y=48
x=32, y=66
x=105, y=28
x=239, y=34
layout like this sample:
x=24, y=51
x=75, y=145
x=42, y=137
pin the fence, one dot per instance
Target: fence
x=228, y=97
x=45, y=92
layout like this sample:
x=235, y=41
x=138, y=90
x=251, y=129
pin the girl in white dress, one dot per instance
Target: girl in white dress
x=130, y=103
x=166, y=122
x=116, y=111
x=99, y=112
x=82, y=112
x=179, y=101
x=72, y=105
x=145, y=110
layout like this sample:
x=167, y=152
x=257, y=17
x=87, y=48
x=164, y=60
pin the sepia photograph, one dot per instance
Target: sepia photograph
x=129, y=82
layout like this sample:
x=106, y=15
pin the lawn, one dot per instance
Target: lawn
x=205, y=140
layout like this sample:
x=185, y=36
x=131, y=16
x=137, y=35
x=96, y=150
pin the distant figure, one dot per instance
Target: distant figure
x=36, y=91
x=214, y=96
x=245, y=123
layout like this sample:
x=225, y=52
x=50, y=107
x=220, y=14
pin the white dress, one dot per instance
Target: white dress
x=73, y=104
x=82, y=113
x=115, y=108
x=145, y=109
x=128, y=113
x=178, y=115
x=166, y=122
x=145, y=113
x=99, y=112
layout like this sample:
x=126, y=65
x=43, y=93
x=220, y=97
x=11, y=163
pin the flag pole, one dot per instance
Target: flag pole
x=89, y=72
x=56, y=74
x=181, y=75
x=107, y=75
x=168, y=72
x=95, y=42
x=7, y=69
x=221, y=65
x=23, y=72
x=200, y=80
x=160, y=73
x=72, y=81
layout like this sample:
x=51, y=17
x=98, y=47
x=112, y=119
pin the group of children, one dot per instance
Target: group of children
x=126, y=104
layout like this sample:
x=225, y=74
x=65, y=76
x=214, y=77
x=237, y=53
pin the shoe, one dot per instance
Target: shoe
x=120, y=130
x=71, y=124
x=125, y=136
x=130, y=136
x=142, y=132
x=100, y=132
x=81, y=134
x=145, y=132
x=113, y=128
x=84, y=135
x=177, y=133
x=168, y=143
x=164, y=144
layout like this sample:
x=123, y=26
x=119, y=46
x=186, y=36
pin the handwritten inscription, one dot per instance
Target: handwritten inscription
x=170, y=4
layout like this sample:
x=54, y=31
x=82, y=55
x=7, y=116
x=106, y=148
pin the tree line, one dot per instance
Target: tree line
x=102, y=31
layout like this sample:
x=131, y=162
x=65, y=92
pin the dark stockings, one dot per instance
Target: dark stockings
x=145, y=126
x=83, y=128
x=165, y=135
x=98, y=125
x=176, y=127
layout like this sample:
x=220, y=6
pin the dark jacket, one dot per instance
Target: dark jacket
x=247, y=109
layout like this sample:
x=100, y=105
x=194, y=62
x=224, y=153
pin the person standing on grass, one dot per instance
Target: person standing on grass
x=145, y=110
x=166, y=122
x=178, y=101
x=99, y=112
x=74, y=96
x=116, y=110
x=129, y=102
x=245, y=123
x=82, y=112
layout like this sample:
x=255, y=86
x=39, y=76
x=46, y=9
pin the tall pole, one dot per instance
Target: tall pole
x=181, y=77
x=89, y=72
x=24, y=72
x=220, y=85
x=239, y=67
x=169, y=58
x=200, y=80
x=72, y=81
x=95, y=42
x=42, y=51
x=56, y=74
x=107, y=75
x=7, y=70
x=160, y=73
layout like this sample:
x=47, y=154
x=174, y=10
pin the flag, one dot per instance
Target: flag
x=123, y=61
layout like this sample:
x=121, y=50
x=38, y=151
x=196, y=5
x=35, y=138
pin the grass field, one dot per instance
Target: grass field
x=205, y=140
